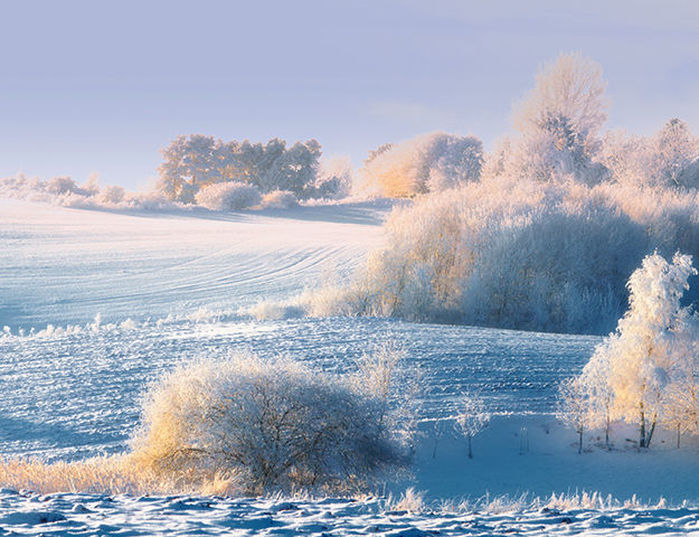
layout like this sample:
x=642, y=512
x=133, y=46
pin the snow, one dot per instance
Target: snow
x=81, y=514
x=168, y=286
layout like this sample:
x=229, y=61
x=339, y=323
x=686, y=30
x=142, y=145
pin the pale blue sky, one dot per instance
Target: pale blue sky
x=91, y=86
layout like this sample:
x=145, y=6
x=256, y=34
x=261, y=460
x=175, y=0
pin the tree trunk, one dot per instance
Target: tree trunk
x=606, y=430
x=470, y=452
x=642, y=441
x=580, y=440
x=650, y=433
x=678, y=436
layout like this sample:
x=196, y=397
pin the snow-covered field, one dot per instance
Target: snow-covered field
x=169, y=286
x=64, y=266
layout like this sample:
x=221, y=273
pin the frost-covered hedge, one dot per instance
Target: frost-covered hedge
x=231, y=196
x=279, y=199
x=65, y=192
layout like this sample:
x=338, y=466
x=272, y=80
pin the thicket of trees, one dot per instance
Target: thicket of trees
x=543, y=235
x=193, y=162
x=646, y=372
x=668, y=159
x=518, y=254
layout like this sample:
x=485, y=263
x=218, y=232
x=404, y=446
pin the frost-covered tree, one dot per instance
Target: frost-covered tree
x=292, y=169
x=439, y=430
x=594, y=383
x=655, y=347
x=472, y=417
x=427, y=163
x=91, y=187
x=682, y=405
x=334, y=179
x=189, y=162
x=626, y=157
x=559, y=123
x=62, y=185
x=674, y=159
x=669, y=159
x=111, y=194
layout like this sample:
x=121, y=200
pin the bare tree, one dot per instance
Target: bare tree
x=472, y=418
x=574, y=407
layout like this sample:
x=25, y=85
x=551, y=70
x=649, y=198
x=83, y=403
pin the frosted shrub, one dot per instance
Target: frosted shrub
x=62, y=185
x=279, y=199
x=111, y=195
x=231, y=196
x=504, y=253
x=268, y=425
x=431, y=162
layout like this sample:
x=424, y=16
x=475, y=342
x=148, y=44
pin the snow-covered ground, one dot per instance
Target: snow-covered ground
x=168, y=286
x=80, y=514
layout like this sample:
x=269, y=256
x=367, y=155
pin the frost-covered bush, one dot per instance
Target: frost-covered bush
x=267, y=425
x=279, y=199
x=62, y=185
x=65, y=192
x=428, y=163
x=230, y=196
x=111, y=195
x=521, y=254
